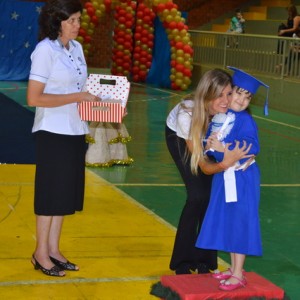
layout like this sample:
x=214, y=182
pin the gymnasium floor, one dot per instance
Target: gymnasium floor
x=123, y=239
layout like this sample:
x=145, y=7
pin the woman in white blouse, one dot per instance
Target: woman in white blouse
x=58, y=73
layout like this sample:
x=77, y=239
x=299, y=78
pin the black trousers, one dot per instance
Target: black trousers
x=198, y=192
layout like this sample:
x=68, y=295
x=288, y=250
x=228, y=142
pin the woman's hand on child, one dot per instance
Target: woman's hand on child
x=237, y=153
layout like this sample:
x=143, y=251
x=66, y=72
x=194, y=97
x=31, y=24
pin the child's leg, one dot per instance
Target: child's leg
x=237, y=267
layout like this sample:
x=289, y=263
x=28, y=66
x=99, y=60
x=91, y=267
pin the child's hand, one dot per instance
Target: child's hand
x=214, y=143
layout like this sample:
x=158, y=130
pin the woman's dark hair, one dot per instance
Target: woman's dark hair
x=53, y=12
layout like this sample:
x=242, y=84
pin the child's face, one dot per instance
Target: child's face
x=239, y=15
x=240, y=100
x=221, y=104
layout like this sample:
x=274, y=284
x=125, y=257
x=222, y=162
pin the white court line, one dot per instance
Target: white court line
x=276, y=122
x=147, y=184
x=181, y=184
x=78, y=280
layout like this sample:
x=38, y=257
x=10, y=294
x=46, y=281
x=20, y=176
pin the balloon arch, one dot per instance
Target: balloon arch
x=133, y=37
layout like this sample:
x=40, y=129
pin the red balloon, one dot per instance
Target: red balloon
x=160, y=7
x=187, y=72
x=179, y=67
x=129, y=24
x=90, y=11
x=150, y=44
x=172, y=25
x=169, y=5
x=119, y=54
x=94, y=20
x=139, y=14
x=179, y=45
x=180, y=26
x=143, y=60
x=126, y=65
x=142, y=74
x=137, y=36
x=135, y=69
x=147, y=19
x=144, y=40
x=136, y=78
x=88, y=4
x=121, y=20
x=136, y=56
x=87, y=39
x=82, y=32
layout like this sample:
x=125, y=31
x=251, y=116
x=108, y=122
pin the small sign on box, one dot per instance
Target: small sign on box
x=113, y=92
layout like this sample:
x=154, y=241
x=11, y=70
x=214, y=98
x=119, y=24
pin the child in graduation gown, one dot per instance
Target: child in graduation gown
x=231, y=223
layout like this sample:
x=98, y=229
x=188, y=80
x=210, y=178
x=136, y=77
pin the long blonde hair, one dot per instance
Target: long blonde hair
x=209, y=88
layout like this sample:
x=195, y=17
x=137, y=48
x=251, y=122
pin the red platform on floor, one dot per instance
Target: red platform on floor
x=204, y=286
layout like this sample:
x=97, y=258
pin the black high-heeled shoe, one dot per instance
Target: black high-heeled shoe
x=54, y=271
x=64, y=265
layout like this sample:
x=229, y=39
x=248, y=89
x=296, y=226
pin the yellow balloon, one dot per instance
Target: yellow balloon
x=169, y=18
x=177, y=19
x=99, y=13
x=102, y=8
x=184, y=86
x=80, y=39
x=84, y=25
x=178, y=75
x=90, y=31
x=180, y=52
x=178, y=82
x=85, y=18
x=173, y=12
x=95, y=4
x=183, y=32
x=180, y=60
x=177, y=38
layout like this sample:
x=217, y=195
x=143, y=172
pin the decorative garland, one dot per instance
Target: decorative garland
x=120, y=162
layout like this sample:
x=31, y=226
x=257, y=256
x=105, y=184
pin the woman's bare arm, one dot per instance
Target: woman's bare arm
x=295, y=26
x=230, y=158
x=37, y=97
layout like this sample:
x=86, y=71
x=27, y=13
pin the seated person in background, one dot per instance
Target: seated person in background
x=288, y=29
x=237, y=23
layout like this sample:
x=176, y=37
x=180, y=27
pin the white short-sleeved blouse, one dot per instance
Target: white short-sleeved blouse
x=63, y=72
x=180, y=117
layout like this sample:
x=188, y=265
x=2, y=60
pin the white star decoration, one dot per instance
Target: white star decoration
x=2, y=36
x=27, y=45
x=38, y=9
x=14, y=16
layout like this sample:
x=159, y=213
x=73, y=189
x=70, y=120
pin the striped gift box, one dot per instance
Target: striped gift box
x=101, y=111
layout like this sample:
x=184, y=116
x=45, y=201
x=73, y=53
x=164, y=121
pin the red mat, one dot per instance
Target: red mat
x=204, y=286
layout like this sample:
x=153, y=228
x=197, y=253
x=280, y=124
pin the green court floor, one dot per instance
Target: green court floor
x=153, y=181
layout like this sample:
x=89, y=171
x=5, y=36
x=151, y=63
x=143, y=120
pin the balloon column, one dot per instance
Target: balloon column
x=181, y=46
x=134, y=35
x=123, y=38
x=91, y=13
x=143, y=37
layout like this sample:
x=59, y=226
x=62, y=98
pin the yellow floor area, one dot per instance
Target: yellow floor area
x=121, y=247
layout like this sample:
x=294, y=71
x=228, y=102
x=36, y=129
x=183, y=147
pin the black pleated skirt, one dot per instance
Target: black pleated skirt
x=60, y=174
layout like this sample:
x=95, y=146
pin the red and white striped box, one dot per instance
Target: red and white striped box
x=113, y=92
x=101, y=111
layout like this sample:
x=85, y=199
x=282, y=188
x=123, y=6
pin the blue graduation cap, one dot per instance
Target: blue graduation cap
x=249, y=83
